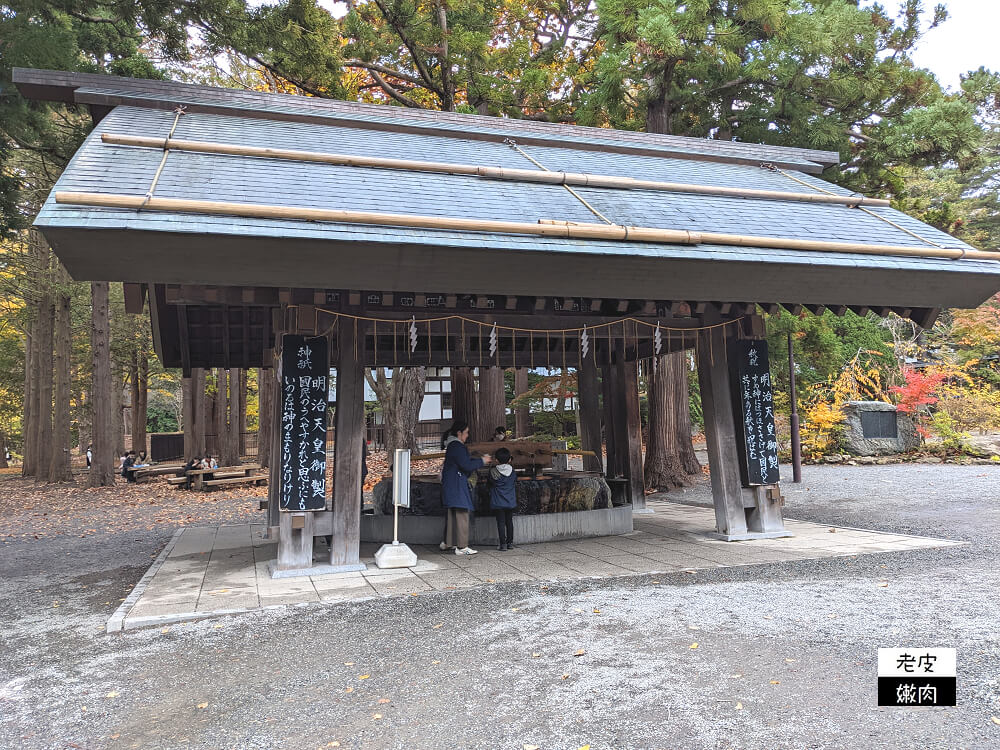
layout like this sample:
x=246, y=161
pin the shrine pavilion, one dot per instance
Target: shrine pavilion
x=408, y=238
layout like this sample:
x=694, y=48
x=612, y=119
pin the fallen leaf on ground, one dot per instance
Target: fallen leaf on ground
x=438, y=625
x=735, y=675
x=349, y=690
x=789, y=661
x=436, y=661
x=739, y=706
x=164, y=630
x=112, y=694
x=219, y=627
x=384, y=700
x=363, y=676
x=775, y=682
x=565, y=677
x=377, y=716
x=768, y=617
x=597, y=611
x=333, y=744
x=535, y=655
x=693, y=627
x=531, y=747
x=884, y=585
x=348, y=663
x=693, y=645
x=995, y=719
x=202, y=705
x=581, y=652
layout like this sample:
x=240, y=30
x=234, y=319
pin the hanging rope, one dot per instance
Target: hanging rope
x=860, y=208
x=513, y=144
x=178, y=111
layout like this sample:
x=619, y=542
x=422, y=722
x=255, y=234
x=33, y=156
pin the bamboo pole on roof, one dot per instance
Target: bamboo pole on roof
x=544, y=227
x=495, y=173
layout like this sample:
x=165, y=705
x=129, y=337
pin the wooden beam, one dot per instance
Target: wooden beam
x=793, y=308
x=839, y=310
x=135, y=297
x=720, y=431
x=861, y=310
x=925, y=318
x=346, y=533
x=816, y=309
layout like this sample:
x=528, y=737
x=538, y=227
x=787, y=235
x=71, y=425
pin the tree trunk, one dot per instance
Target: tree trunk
x=241, y=413
x=3, y=449
x=133, y=398
x=407, y=395
x=266, y=386
x=492, y=403
x=102, y=472
x=118, y=411
x=188, y=409
x=221, y=426
x=140, y=404
x=670, y=457
x=200, y=402
x=463, y=395
x=664, y=468
x=28, y=462
x=60, y=468
x=83, y=420
x=399, y=399
x=522, y=415
x=43, y=388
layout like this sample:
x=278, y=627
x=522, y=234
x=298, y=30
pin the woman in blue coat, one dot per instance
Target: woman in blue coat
x=455, y=494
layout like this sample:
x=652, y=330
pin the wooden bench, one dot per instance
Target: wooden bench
x=196, y=477
x=142, y=473
x=256, y=479
x=178, y=482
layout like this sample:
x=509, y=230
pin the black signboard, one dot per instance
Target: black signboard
x=305, y=383
x=754, y=404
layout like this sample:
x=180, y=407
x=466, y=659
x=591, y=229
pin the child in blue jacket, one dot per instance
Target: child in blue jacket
x=503, y=498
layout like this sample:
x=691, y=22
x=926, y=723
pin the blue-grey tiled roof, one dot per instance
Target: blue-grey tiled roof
x=103, y=168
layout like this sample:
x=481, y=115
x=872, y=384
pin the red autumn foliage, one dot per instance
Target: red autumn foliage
x=917, y=390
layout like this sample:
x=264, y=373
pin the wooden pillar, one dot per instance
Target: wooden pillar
x=632, y=460
x=590, y=414
x=346, y=520
x=609, y=420
x=720, y=432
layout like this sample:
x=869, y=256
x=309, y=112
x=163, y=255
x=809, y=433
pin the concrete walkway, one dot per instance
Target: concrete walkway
x=206, y=571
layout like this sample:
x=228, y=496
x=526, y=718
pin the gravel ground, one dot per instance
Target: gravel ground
x=785, y=653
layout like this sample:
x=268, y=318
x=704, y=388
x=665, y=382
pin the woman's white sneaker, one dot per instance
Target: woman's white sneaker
x=466, y=551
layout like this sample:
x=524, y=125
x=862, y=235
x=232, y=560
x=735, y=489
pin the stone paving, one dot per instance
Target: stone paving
x=210, y=570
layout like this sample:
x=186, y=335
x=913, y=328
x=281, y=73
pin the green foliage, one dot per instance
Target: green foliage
x=161, y=419
x=827, y=74
x=824, y=345
x=952, y=439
